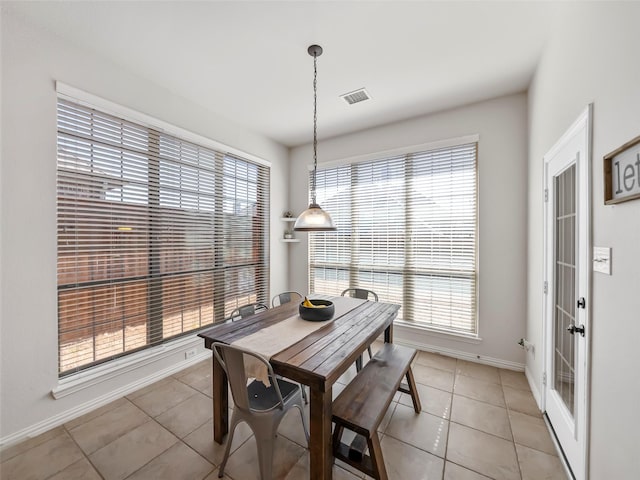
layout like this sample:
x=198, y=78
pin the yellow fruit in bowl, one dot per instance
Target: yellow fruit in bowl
x=307, y=303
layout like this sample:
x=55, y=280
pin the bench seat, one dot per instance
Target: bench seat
x=361, y=406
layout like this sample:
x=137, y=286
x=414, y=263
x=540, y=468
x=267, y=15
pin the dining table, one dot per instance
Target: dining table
x=315, y=354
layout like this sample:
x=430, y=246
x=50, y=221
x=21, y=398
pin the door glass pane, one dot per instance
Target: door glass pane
x=564, y=285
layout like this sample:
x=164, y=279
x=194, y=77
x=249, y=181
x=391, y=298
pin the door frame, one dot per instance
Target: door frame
x=583, y=181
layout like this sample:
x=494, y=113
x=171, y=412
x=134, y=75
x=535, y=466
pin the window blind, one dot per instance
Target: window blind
x=406, y=229
x=157, y=236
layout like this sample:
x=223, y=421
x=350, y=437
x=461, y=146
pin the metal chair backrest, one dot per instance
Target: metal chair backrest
x=233, y=360
x=362, y=293
x=285, y=297
x=245, y=311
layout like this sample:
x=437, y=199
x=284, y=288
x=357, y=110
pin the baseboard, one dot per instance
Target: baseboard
x=75, y=412
x=534, y=388
x=462, y=355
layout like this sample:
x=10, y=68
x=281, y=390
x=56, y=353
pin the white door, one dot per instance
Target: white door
x=567, y=277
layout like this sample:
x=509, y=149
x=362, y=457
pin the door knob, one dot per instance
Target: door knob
x=572, y=329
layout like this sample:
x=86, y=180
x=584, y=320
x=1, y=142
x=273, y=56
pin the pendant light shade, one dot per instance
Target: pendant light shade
x=314, y=219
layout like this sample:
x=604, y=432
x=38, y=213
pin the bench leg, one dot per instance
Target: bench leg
x=413, y=391
x=377, y=461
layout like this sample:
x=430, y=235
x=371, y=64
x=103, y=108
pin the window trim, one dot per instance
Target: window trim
x=381, y=155
x=104, y=372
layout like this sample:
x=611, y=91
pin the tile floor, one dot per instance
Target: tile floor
x=477, y=422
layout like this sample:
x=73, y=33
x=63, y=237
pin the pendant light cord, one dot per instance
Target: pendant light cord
x=314, y=219
x=315, y=128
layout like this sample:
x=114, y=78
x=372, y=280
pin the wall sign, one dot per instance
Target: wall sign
x=622, y=173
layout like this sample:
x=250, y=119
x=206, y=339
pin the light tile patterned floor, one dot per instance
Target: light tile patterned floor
x=477, y=422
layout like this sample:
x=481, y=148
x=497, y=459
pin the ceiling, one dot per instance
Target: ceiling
x=247, y=61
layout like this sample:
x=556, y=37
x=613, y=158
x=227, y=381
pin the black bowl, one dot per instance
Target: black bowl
x=317, y=314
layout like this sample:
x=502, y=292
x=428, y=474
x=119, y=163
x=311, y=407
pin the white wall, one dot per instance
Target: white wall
x=31, y=61
x=595, y=58
x=501, y=124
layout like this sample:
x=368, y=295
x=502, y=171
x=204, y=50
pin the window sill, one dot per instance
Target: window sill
x=434, y=332
x=101, y=373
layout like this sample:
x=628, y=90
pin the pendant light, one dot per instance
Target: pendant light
x=314, y=219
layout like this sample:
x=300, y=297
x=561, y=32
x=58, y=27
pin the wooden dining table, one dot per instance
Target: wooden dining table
x=318, y=360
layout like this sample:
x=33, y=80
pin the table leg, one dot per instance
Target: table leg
x=220, y=402
x=321, y=455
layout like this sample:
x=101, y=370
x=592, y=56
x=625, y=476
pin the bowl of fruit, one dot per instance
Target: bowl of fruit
x=316, y=310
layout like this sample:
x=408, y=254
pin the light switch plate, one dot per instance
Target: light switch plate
x=602, y=260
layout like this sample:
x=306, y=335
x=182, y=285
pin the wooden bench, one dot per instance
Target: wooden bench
x=361, y=406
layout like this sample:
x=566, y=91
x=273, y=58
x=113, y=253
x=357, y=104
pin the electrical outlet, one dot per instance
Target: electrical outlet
x=189, y=354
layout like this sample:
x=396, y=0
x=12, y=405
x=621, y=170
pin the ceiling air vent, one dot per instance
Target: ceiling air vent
x=356, y=96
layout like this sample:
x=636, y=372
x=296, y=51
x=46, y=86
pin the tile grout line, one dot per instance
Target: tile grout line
x=151, y=418
x=481, y=431
x=162, y=452
x=95, y=469
x=446, y=447
x=506, y=408
x=510, y=427
x=87, y=455
x=521, y=413
x=451, y=421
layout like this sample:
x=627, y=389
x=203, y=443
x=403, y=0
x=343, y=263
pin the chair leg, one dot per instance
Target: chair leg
x=304, y=392
x=234, y=423
x=265, y=456
x=304, y=424
x=265, y=431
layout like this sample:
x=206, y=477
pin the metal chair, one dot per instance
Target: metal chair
x=363, y=294
x=261, y=407
x=285, y=297
x=247, y=310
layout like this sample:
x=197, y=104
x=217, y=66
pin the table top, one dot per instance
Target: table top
x=319, y=359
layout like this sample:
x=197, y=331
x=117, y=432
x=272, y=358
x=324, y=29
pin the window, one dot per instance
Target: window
x=157, y=236
x=407, y=229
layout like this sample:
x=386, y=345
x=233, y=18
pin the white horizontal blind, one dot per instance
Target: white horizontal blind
x=407, y=229
x=157, y=237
